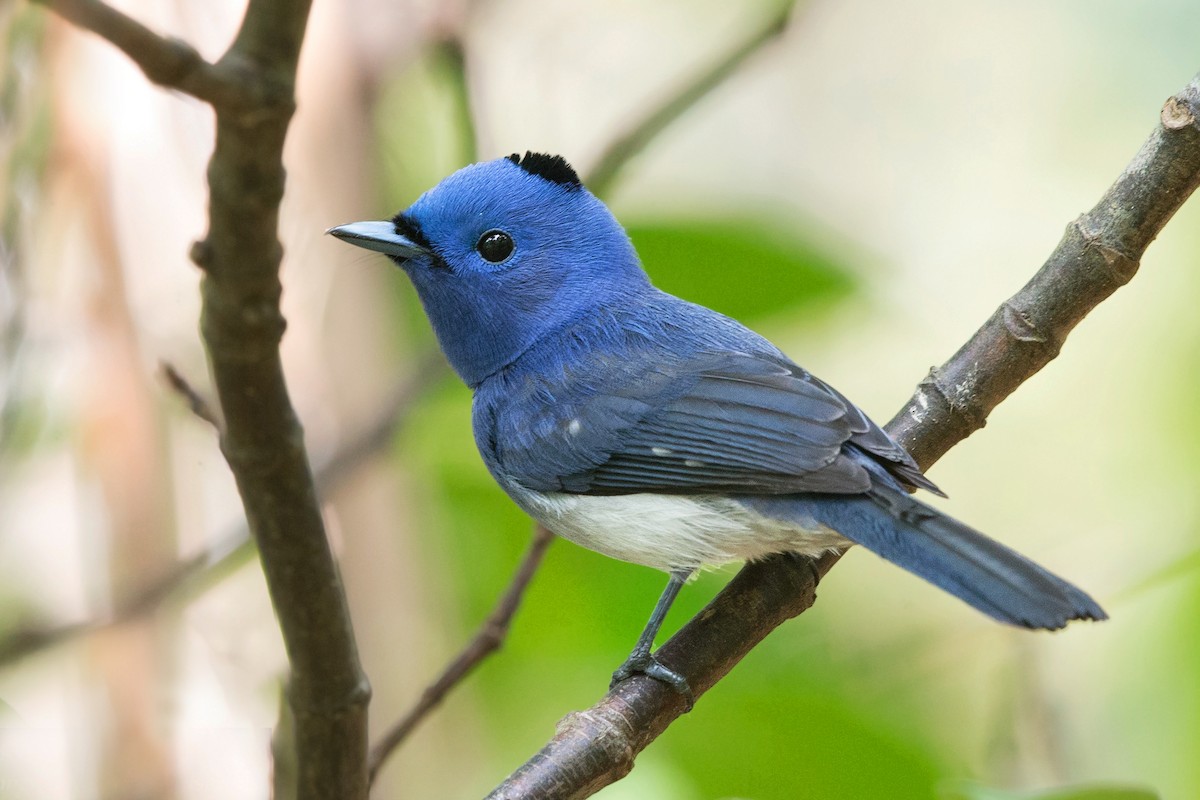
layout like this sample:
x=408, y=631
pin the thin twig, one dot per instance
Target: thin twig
x=187, y=578
x=192, y=576
x=196, y=402
x=624, y=147
x=169, y=62
x=1099, y=253
x=487, y=639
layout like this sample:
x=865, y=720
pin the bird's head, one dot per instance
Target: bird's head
x=503, y=252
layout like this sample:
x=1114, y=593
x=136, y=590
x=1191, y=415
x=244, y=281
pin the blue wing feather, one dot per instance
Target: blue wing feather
x=725, y=413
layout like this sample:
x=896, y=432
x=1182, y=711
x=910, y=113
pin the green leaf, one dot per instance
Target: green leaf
x=742, y=268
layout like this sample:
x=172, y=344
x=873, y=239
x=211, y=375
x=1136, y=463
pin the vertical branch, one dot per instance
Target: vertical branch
x=263, y=441
x=252, y=91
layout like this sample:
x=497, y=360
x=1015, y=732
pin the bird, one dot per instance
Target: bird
x=657, y=431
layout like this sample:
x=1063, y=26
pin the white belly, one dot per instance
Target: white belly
x=672, y=532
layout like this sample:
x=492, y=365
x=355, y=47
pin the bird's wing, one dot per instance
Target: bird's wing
x=727, y=422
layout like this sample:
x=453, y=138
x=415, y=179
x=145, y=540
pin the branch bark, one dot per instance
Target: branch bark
x=1099, y=253
x=168, y=62
x=263, y=442
x=252, y=90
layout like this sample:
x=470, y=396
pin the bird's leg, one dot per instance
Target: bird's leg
x=640, y=660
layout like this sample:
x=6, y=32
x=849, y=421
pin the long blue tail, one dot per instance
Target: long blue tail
x=998, y=581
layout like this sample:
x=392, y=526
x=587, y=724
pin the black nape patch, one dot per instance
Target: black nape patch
x=410, y=228
x=553, y=168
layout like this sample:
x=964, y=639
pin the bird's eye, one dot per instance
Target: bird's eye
x=495, y=246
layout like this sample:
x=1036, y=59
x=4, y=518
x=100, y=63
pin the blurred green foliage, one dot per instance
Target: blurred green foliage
x=740, y=266
x=1096, y=792
x=26, y=137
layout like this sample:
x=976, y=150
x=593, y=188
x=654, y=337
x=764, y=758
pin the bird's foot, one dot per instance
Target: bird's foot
x=643, y=663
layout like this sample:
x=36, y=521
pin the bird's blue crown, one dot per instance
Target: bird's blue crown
x=517, y=248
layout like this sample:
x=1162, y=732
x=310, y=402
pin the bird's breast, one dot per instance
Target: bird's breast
x=672, y=532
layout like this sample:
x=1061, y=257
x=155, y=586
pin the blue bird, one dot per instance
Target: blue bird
x=657, y=431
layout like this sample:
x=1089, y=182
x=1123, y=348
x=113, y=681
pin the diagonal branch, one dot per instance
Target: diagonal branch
x=623, y=148
x=196, y=574
x=196, y=402
x=1098, y=254
x=487, y=640
x=168, y=62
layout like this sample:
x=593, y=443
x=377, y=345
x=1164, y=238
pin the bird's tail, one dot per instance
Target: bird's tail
x=998, y=581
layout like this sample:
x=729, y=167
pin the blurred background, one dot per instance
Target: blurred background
x=864, y=190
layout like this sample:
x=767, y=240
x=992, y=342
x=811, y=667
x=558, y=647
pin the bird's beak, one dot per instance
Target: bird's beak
x=380, y=237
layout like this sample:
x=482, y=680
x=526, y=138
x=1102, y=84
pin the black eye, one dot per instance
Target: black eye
x=495, y=246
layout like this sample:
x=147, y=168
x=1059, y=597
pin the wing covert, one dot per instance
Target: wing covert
x=719, y=422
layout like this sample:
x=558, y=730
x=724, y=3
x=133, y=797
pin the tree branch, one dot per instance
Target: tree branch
x=168, y=62
x=1099, y=253
x=252, y=90
x=186, y=578
x=487, y=640
x=196, y=402
x=263, y=442
x=624, y=147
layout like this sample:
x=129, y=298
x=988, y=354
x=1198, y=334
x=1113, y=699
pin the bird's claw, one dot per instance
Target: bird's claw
x=642, y=663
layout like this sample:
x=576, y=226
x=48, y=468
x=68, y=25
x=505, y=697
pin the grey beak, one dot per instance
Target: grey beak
x=380, y=237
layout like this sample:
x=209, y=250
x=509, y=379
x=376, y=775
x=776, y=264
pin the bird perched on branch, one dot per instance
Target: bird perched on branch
x=657, y=431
